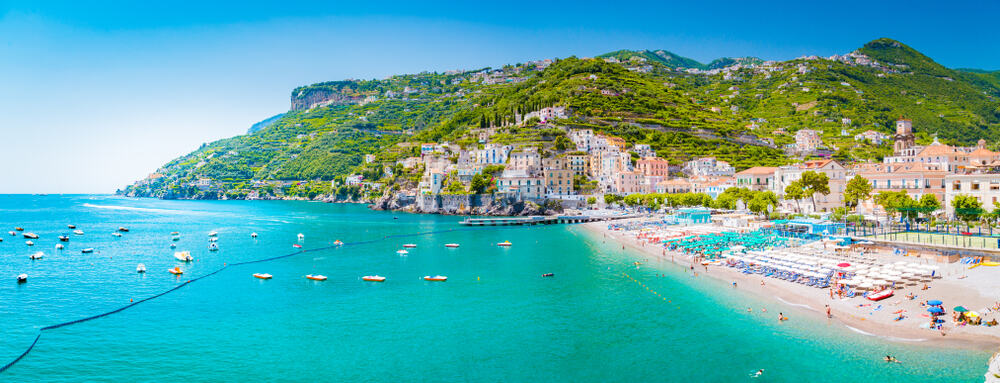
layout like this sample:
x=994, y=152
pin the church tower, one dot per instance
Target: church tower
x=904, y=136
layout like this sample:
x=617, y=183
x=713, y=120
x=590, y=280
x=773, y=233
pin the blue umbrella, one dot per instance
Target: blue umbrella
x=934, y=302
x=935, y=310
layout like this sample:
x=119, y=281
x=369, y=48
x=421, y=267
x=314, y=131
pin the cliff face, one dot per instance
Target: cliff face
x=317, y=96
x=993, y=372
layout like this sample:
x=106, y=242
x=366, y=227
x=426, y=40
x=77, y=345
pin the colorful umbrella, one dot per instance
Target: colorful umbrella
x=934, y=302
x=960, y=309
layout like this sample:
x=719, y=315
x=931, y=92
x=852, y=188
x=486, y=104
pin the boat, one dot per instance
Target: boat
x=37, y=255
x=213, y=247
x=123, y=229
x=140, y=268
x=451, y=245
x=116, y=234
x=402, y=252
x=176, y=271
x=175, y=239
x=78, y=232
x=19, y=228
x=173, y=245
x=71, y=226
x=30, y=235
x=373, y=278
x=29, y=243
x=301, y=237
x=87, y=250
x=59, y=246
x=504, y=244
x=22, y=278
x=175, y=233
x=316, y=277
x=63, y=238
x=409, y=245
x=548, y=275
x=253, y=235
x=213, y=239
x=12, y=233
x=297, y=246
x=880, y=295
x=335, y=243
x=183, y=256
x=213, y=233
x=436, y=278
x=262, y=275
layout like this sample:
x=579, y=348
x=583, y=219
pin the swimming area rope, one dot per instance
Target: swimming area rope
x=185, y=283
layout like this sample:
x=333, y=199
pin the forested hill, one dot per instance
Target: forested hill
x=740, y=110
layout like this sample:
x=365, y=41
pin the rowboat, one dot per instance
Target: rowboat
x=29, y=243
x=451, y=245
x=140, y=268
x=297, y=246
x=37, y=255
x=409, y=245
x=213, y=233
x=22, y=278
x=183, y=256
x=402, y=252
x=87, y=250
x=880, y=295
x=262, y=275
x=436, y=278
x=63, y=238
x=176, y=271
x=335, y=243
x=123, y=229
x=71, y=226
x=316, y=277
x=78, y=232
x=373, y=278
x=504, y=244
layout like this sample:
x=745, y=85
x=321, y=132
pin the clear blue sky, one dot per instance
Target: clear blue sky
x=94, y=95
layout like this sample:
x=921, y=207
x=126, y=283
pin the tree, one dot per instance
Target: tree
x=967, y=208
x=726, y=201
x=928, y=204
x=591, y=200
x=812, y=183
x=612, y=199
x=858, y=189
x=563, y=143
x=479, y=184
x=759, y=203
x=795, y=191
x=891, y=201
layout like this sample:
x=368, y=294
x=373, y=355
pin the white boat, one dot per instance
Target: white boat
x=37, y=255
x=301, y=236
x=213, y=233
x=316, y=277
x=253, y=235
x=183, y=256
x=213, y=247
x=29, y=243
x=409, y=245
x=22, y=278
x=87, y=250
x=173, y=245
x=30, y=235
x=59, y=246
x=141, y=268
x=262, y=275
x=402, y=252
x=116, y=234
x=12, y=233
x=373, y=278
x=436, y=278
x=213, y=239
x=78, y=232
x=451, y=245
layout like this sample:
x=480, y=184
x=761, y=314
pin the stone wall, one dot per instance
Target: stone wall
x=457, y=204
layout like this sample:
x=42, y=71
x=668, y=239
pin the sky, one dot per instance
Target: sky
x=95, y=95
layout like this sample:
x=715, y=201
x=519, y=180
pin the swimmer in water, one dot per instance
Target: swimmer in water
x=891, y=359
x=759, y=373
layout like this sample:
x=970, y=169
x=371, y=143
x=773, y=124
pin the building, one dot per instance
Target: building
x=354, y=180
x=904, y=139
x=492, y=154
x=676, y=185
x=629, y=182
x=917, y=179
x=708, y=166
x=521, y=184
x=876, y=138
x=579, y=163
x=807, y=140
x=984, y=187
x=369, y=158
x=558, y=182
x=431, y=182
x=644, y=150
x=758, y=178
x=526, y=158
x=653, y=167
x=835, y=172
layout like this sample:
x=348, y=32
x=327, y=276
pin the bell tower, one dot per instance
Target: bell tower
x=904, y=136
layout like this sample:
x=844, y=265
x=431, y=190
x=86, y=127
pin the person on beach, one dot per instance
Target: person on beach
x=734, y=284
x=828, y=314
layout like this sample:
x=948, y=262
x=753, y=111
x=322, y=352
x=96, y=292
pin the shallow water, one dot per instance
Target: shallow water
x=496, y=319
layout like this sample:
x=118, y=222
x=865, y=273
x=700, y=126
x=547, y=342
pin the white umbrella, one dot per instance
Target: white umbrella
x=865, y=285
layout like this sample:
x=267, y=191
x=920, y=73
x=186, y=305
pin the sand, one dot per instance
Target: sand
x=975, y=289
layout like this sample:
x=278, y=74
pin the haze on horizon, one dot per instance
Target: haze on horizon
x=97, y=95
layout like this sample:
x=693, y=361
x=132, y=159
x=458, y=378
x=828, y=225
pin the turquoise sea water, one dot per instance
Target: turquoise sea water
x=495, y=319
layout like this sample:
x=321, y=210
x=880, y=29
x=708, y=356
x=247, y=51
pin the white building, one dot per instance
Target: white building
x=708, y=166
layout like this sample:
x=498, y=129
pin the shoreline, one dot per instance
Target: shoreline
x=845, y=311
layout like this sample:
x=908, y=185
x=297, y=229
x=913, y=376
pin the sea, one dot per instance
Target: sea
x=600, y=318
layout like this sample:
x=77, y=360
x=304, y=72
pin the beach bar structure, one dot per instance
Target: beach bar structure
x=539, y=220
x=811, y=226
x=694, y=215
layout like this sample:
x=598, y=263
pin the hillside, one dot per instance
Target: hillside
x=728, y=109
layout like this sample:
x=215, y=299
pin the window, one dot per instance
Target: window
x=957, y=185
x=975, y=186
x=888, y=184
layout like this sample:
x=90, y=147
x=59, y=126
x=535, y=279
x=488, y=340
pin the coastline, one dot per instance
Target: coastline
x=845, y=311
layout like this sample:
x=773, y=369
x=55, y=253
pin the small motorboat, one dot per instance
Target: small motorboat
x=373, y=278
x=37, y=255
x=173, y=245
x=436, y=278
x=213, y=234
x=451, y=245
x=213, y=239
x=504, y=244
x=297, y=246
x=29, y=243
x=22, y=278
x=253, y=235
x=59, y=246
x=183, y=256
x=63, y=238
x=402, y=252
x=123, y=229
x=87, y=250
x=176, y=271
x=19, y=228
x=880, y=295
x=548, y=275
x=30, y=235
x=71, y=226
x=335, y=243
x=213, y=247
x=12, y=233
x=175, y=233
x=409, y=245
x=175, y=239
x=78, y=232
x=302, y=236
x=116, y=234
x=262, y=275
x=316, y=277
x=140, y=268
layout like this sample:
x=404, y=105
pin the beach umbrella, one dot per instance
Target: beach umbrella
x=865, y=285
x=960, y=309
x=844, y=264
x=935, y=310
x=934, y=302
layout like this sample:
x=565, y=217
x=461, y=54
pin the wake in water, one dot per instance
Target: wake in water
x=142, y=209
x=795, y=304
x=892, y=338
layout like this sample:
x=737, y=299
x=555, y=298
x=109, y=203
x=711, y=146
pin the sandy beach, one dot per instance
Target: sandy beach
x=958, y=286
